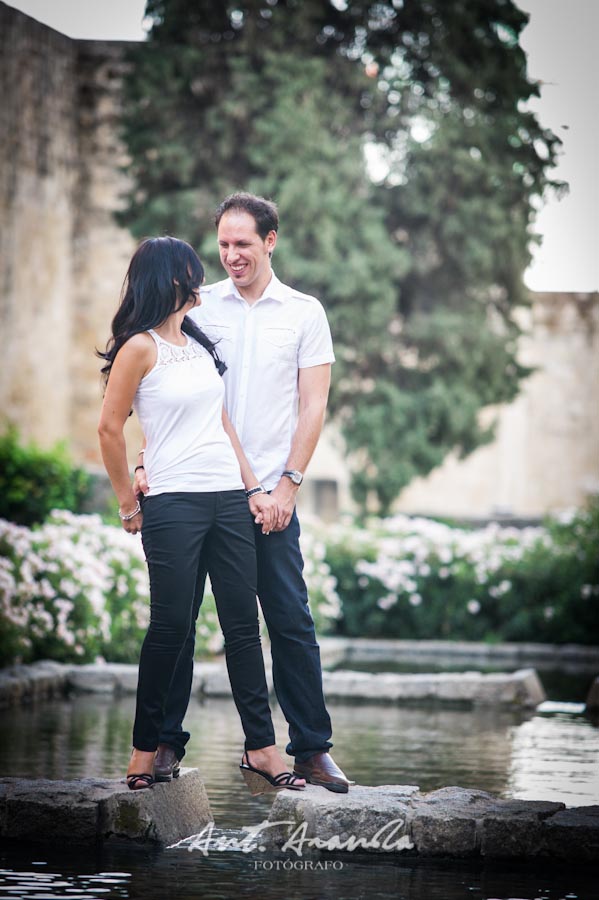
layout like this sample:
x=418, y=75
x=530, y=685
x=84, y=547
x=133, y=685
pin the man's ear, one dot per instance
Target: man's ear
x=271, y=242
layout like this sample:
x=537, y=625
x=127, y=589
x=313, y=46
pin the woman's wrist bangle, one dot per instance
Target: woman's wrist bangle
x=259, y=489
x=131, y=515
x=138, y=467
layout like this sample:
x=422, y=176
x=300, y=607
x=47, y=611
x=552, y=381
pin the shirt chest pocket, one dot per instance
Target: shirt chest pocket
x=279, y=343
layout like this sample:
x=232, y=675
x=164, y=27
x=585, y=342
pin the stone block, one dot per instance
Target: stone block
x=519, y=689
x=372, y=819
x=93, y=679
x=215, y=680
x=52, y=811
x=40, y=680
x=573, y=834
x=452, y=822
x=103, y=678
x=164, y=815
x=125, y=676
x=90, y=811
x=446, y=822
x=513, y=829
x=592, y=702
x=212, y=679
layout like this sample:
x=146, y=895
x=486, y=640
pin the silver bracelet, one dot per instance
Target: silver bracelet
x=132, y=514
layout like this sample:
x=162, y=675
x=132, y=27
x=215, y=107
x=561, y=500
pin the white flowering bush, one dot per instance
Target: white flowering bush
x=75, y=589
x=72, y=589
x=417, y=578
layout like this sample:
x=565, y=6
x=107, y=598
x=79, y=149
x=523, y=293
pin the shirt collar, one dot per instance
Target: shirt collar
x=274, y=290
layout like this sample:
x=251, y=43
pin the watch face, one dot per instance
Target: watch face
x=295, y=476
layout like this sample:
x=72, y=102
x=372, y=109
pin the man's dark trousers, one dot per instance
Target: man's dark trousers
x=296, y=664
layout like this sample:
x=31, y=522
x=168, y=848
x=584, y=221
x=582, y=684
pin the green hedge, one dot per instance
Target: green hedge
x=33, y=481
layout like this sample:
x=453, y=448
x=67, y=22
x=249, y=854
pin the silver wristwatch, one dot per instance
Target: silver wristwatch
x=295, y=475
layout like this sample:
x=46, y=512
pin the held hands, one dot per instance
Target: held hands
x=265, y=511
x=285, y=494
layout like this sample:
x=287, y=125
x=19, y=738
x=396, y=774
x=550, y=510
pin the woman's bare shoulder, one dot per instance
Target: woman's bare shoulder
x=138, y=353
x=140, y=344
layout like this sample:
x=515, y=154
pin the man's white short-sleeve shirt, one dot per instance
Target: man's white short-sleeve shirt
x=264, y=345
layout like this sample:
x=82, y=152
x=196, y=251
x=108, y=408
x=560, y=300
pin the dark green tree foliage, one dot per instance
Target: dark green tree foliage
x=420, y=270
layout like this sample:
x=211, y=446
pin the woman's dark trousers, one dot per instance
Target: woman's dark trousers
x=176, y=527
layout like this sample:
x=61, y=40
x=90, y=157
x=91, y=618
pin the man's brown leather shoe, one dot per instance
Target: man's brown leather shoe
x=321, y=769
x=166, y=764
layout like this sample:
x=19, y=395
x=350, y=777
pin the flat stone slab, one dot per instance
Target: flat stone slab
x=451, y=822
x=514, y=689
x=38, y=681
x=42, y=680
x=91, y=811
x=336, y=651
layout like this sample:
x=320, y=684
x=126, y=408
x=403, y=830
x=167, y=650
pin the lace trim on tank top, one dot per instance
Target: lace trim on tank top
x=170, y=353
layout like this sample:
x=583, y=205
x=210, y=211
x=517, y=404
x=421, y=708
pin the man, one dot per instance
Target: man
x=277, y=346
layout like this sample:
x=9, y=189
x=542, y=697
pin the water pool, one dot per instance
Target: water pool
x=553, y=756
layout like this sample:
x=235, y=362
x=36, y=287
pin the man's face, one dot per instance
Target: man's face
x=243, y=253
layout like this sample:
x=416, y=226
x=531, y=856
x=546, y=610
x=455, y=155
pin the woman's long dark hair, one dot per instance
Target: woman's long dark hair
x=150, y=295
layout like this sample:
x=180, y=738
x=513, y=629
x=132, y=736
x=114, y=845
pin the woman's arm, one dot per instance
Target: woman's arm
x=131, y=363
x=262, y=506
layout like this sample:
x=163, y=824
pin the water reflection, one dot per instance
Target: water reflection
x=555, y=758
x=177, y=875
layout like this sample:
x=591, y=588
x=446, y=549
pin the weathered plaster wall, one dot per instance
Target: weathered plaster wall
x=38, y=175
x=62, y=257
x=101, y=249
x=546, y=453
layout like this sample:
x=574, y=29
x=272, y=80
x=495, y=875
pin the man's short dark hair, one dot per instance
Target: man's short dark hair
x=264, y=212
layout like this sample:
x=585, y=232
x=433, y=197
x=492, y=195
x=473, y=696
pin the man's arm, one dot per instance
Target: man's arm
x=313, y=387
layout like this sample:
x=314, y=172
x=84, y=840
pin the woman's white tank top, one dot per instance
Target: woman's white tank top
x=179, y=405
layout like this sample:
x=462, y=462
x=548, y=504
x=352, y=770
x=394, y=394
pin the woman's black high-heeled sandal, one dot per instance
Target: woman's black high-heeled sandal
x=147, y=781
x=260, y=782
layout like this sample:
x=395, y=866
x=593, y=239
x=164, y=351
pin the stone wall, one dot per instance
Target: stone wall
x=62, y=262
x=38, y=143
x=62, y=256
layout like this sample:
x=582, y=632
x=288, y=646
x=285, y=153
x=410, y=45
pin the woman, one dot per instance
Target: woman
x=163, y=365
